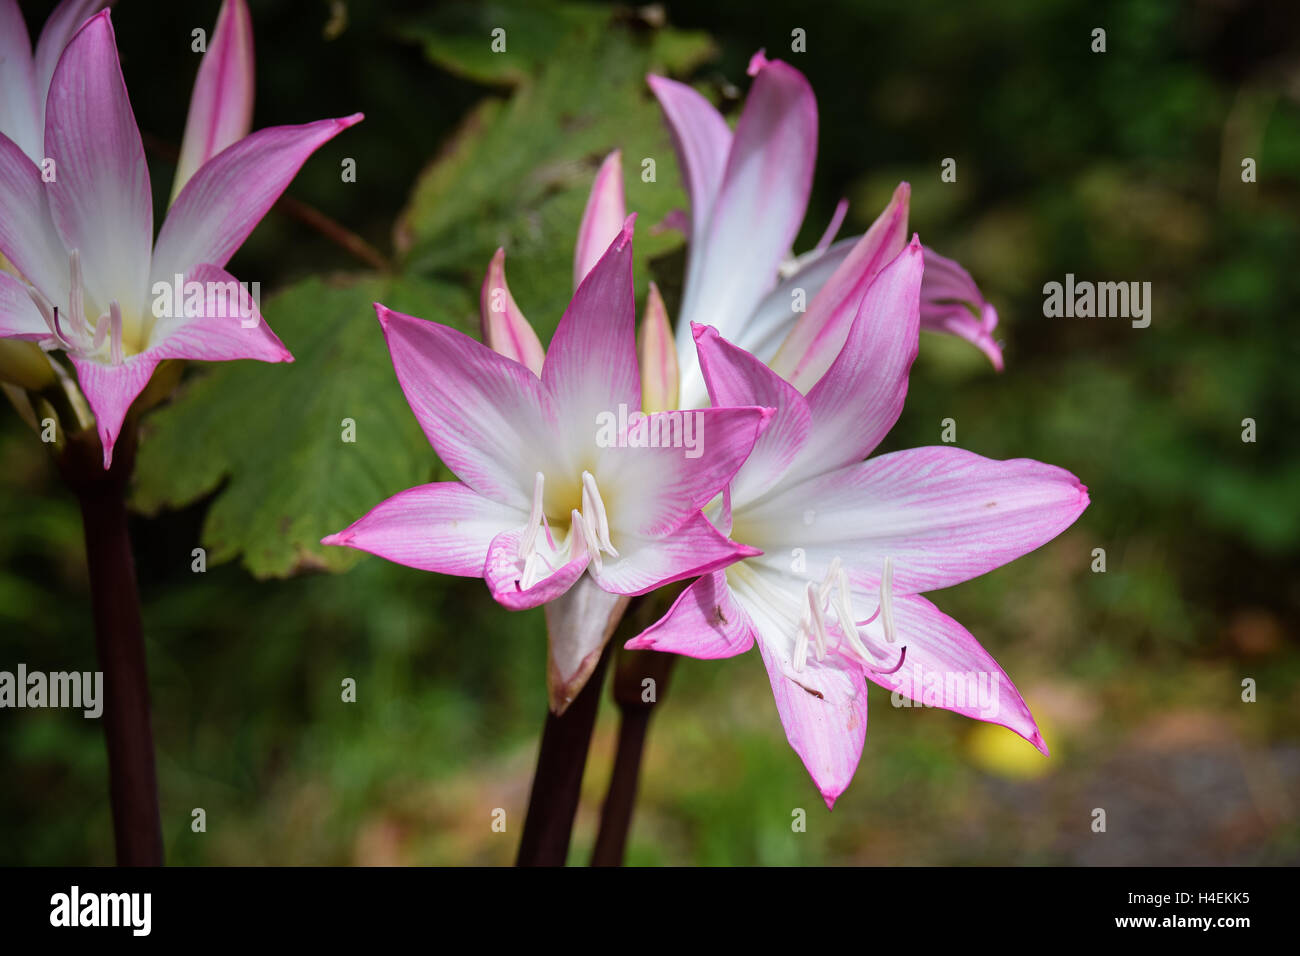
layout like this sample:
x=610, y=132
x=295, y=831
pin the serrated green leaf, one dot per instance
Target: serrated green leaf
x=274, y=433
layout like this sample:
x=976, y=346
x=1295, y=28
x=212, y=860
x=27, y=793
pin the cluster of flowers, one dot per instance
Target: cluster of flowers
x=795, y=539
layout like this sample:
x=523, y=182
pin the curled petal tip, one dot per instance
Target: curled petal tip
x=339, y=539
x=757, y=62
x=699, y=331
x=915, y=245
x=383, y=313
x=629, y=226
x=343, y=122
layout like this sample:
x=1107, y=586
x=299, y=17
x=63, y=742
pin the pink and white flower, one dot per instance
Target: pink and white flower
x=543, y=503
x=76, y=220
x=848, y=545
x=748, y=192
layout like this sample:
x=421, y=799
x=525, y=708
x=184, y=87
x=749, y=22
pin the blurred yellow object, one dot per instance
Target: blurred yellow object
x=25, y=365
x=1000, y=751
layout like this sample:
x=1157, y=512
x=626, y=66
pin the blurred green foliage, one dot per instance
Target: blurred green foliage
x=1116, y=166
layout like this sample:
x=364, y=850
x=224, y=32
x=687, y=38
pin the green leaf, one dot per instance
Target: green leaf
x=274, y=433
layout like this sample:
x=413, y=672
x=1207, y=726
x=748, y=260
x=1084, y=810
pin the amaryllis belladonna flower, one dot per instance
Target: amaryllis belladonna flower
x=848, y=545
x=748, y=192
x=78, y=224
x=548, y=496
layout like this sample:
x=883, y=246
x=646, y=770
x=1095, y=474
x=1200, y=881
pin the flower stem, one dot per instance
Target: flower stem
x=557, y=782
x=119, y=642
x=630, y=692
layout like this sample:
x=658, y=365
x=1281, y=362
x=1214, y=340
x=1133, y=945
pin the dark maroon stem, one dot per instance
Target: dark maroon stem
x=630, y=692
x=119, y=643
x=557, y=782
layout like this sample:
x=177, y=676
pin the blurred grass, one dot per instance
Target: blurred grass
x=1121, y=166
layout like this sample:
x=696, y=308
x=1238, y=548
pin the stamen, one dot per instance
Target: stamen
x=101, y=331
x=115, y=321
x=592, y=493
x=535, y=516
x=76, y=295
x=818, y=621
x=579, y=524
x=887, y=600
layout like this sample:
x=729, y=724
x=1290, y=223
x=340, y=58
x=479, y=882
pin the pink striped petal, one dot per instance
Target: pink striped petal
x=110, y=390
x=221, y=106
x=100, y=199
x=488, y=418
x=19, y=317
x=225, y=200
x=819, y=334
x=946, y=667
x=951, y=302
x=698, y=453
x=21, y=118
x=856, y=402
x=735, y=377
x=443, y=527
x=505, y=330
x=702, y=140
x=68, y=17
x=943, y=514
x=578, y=624
x=704, y=622
x=602, y=220
x=658, y=352
x=591, y=364
x=644, y=563
x=502, y=571
x=27, y=234
x=760, y=203
x=228, y=325
x=824, y=711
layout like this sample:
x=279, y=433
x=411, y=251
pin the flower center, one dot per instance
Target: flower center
x=588, y=524
x=72, y=330
x=826, y=621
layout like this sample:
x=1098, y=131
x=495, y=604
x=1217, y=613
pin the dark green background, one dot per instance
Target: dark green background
x=1116, y=166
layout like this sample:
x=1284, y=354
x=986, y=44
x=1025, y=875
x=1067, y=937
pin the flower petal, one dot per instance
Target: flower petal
x=759, y=207
x=110, y=390
x=505, y=330
x=820, y=333
x=19, y=317
x=736, y=378
x=695, y=454
x=951, y=302
x=225, y=200
x=28, y=238
x=578, y=625
x=21, y=118
x=60, y=27
x=228, y=324
x=99, y=199
x=943, y=514
x=502, y=571
x=702, y=140
x=824, y=711
x=946, y=667
x=696, y=547
x=658, y=354
x=704, y=622
x=602, y=220
x=488, y=418
x=856, y=402
x=591, y=364
x=444, y=527
x=221, y=106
